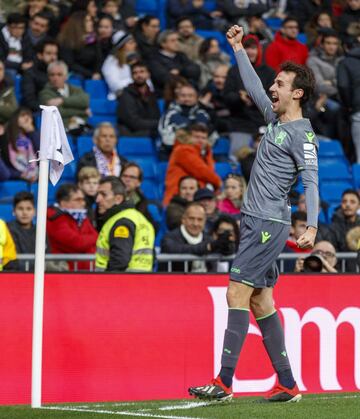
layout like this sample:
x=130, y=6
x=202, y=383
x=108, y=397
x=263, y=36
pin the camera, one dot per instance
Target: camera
x=313, y=263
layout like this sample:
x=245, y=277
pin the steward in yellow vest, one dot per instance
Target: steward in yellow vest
x=126, y=239
x=7, y=246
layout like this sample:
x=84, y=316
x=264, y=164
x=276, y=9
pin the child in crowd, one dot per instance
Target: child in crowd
x=234, y=192
x=88, y=182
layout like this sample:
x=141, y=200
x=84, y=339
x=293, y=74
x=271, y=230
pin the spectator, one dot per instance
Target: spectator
x=181, y=113
x=79, y=47
x=132, y=176
x=195, y=9
x=22, y=229
x=350, y=15
x=72, y=101
x=256, y=26
x=234, y=191
x=190, y=238
x=322, y=259
x=286, y=46
x=15, y=46
x=8, y=103
x=20, y=143
x=306, y=9
x=246, y=155
x=343, y=221
x=235, y=11
x=210, y=57
x=206, y=198
x=353, y=239
x=192, y=156
x=38, y=27
x=88, y=6
x=171, y=89
x=146, y=32
x=123, y=13
x=226, y=226
x=104, y=32
x=7, y=248
x=316, y=26
x=31, y=8
x=35, y=78
x=189, y=41
x=68, y=227
x=126, y=239
x=213, y=100
x=116, y=68
x=168, y=60
x=88, y=181
x=138, y=112
x=348, y=81
x=104, y=155
x=245, y=116
x=188, y=186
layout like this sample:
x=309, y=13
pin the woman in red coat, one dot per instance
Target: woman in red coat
x=191, y=156
x=69, y=229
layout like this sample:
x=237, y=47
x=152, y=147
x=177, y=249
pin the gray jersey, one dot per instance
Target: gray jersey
x=285, y=150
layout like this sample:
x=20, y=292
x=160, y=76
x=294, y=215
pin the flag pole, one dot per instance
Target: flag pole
x=39, y=284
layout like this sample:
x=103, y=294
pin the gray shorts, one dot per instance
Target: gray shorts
x=261, y=242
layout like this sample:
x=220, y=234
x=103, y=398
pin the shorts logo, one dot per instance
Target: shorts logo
x=235, y=270
x=265, y=236
x=310, y=136
x=310, y=154
x=279, y=139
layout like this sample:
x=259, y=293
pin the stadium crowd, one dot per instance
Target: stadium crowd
x=162, y=130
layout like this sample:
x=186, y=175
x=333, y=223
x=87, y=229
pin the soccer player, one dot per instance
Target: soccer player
x=288, y=147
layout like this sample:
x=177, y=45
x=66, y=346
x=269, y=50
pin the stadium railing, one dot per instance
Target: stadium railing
x=187, y=259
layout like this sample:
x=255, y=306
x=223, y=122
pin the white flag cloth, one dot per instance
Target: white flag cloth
x=54, y=145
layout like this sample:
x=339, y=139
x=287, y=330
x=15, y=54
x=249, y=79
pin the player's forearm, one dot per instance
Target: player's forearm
x=310, y=182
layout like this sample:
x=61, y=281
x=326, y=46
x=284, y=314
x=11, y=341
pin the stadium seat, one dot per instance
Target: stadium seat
x=156, y=213
x=150, y=189
x=223, y=169
x=136, y=147
x=330, y=148
x=6, y=212
x=103, y=106
x=149, y=169
x=17, y=88
x=302, y=38
x=356, y=175
x=161, y=171
x=75, y=81
x=210, y=5
x=51, y=190
x=69, y=172
x=97, y=89
x=274, y=23
x=331, y=210
x=161, y=105
x=97, y=119
x=331, y=192
x=84, y=144
x=322, y=217
x=9, y=188
x=336, y=171
x=221, y=147
x=147, y=7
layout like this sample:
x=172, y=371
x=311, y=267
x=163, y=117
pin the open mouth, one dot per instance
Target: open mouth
x=274, y=99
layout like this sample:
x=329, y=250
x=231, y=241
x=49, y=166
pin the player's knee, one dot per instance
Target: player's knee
x=237, y=295
x=261, y=307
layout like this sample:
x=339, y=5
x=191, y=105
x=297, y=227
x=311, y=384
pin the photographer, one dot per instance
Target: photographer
x=322, y=259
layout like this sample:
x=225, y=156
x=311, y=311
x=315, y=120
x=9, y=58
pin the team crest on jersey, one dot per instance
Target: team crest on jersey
x=310, y=136
x=279, y=139
x=310, y=154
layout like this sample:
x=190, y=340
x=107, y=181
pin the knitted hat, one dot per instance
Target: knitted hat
x=119, y=39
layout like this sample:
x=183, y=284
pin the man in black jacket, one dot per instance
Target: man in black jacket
x=138, y=112
x=35, y=78
x=170, y=61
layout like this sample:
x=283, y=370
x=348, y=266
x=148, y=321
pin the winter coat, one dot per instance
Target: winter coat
x=65, y=236
x=232, y=12
x=348, y=80
x=282, y=49
x=138, y=114
x=227, y=206
x=33, y=81
x=306, y=9
x=345, y=19
x=116, y=77
x=324, y=68
x=26, y=49
x=145, y=48
x=209, y=64
x=190, y=46
x=199, y=16
x=88, y=159
x=187, y=160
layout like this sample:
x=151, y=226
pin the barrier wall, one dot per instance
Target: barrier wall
x=138, y=337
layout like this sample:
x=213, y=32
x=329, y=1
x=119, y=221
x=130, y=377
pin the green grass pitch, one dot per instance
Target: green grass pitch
x=316, y=406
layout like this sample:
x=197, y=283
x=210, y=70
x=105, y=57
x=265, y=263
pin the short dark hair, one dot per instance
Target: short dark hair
x=182, y=19
x=289, y=19
x=198, y=126
x=64, y=192
x=43, y=15
x=117, y=186
x=15, y=18
x=138, y=64
x=352, y=192
x=304, y=79
x=133, y=164
x=23, y=196
x=40, y=46
x=298, y=216
x=186, y=178
x=328, y=33
x=226, y=218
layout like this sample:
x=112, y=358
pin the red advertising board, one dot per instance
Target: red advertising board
x=139, y=337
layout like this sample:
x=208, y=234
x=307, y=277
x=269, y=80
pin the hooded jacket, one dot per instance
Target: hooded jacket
x=282, y=49
x=348, y=77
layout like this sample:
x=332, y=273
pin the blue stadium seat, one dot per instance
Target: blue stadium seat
x=336, y=171
x=331, y=148
x=214, y=34
x=75, y=81
x=331, y=210
x=9, y=188
x=161, y=105
x=17, y=88
x=221, y=147
x=356, y=175
x=103, y=106
x=136, y=147
x=69, y=172
x=51, y=189
x=84, y=144
x=322, y=217
x=147, y=7
x=156, y=213
x=302, y=38
x=210, y=5
x=150, y=189
x=148, y=167
x=331, y=192
x=6, y=212
x=223, y=169
x=273, y=23
x=97, y=119
x=97, y=89
x=161, y=171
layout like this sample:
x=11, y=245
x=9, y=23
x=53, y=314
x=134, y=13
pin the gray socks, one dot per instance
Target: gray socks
x=273, y=339
x=237, y=328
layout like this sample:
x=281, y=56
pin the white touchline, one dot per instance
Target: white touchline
x=187, y=405
x=110, y=412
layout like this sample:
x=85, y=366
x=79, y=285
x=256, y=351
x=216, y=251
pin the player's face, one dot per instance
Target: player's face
x=349, y=205
x=24, y=213
x=194, y=220
x=188, y=188
x=282, y=92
